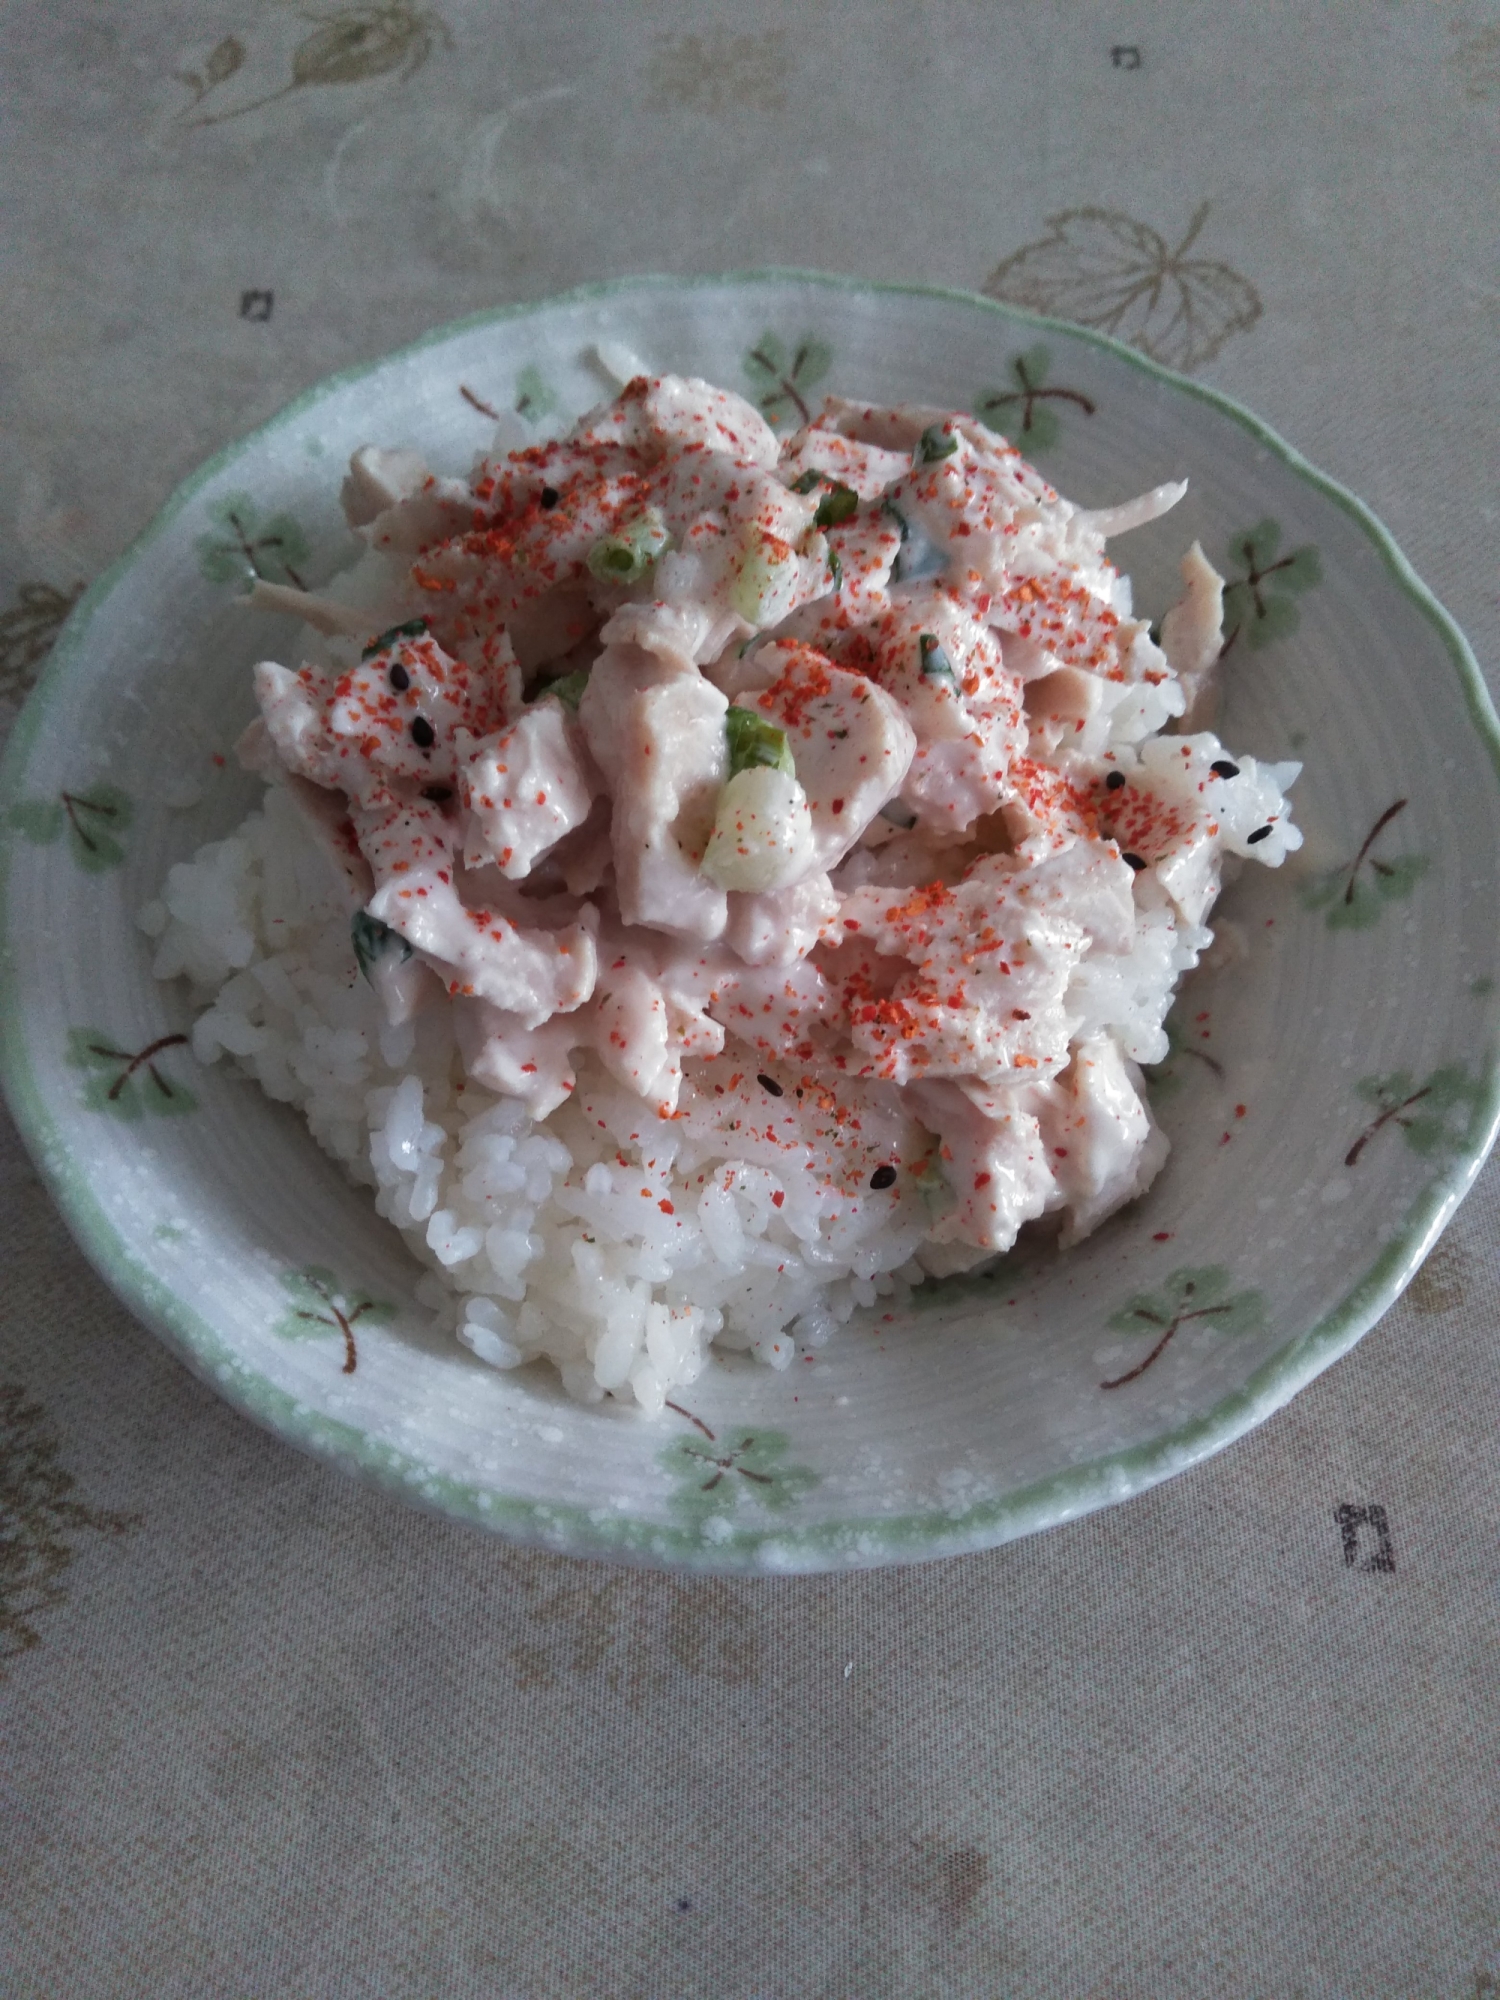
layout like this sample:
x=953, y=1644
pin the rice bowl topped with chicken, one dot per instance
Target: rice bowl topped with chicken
x=708, y=883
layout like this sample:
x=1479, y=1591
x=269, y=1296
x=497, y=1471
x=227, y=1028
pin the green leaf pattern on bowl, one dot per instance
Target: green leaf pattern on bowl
x=322, y=1306
x=783, y=376
x=1437, y=1117
x=1354, y=894
x=93, y=820
x=251, y=546
x=535, y=396
x=1025, y=410
x=717, y=1475
x=1205, y=1293
x=129, y=1084
x=1260, y=598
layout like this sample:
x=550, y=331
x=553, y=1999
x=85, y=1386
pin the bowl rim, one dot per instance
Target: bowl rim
x=928, y=1533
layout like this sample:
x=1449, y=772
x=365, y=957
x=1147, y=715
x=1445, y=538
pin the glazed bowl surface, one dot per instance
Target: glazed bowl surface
x=1330, y=1095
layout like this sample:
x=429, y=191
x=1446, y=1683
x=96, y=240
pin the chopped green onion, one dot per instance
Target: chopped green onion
x=370, y=937
x=625, y=557
x=568, y=689
x=888, y=507
x=756, y=588
x=807, y=481
x=932, y=1185
x=836, y=506
x=414, y=628
x=936, y=665
x=753, y=740
x=935, y=443
x=836, y=567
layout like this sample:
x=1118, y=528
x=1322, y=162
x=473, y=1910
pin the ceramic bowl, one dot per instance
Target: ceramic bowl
x=1331, y=1093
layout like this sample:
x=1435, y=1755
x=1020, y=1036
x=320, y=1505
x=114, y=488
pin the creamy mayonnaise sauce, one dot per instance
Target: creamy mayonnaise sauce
x=824, y=790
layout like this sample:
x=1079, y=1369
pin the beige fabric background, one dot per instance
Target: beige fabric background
x=266, y=1735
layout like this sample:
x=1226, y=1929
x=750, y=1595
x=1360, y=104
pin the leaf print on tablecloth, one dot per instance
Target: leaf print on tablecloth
x=1442, y=1284
x=715, y=1474
x=1258, y=603
x=782, y=376
x=1438, y=1116
x=1355, y=894
x=94, y=820
x=227, y=56
x=349, y=46
x=129, y=1083
x=1205, y=1294
x=320, y=1306
x=248, y=547
x=635, y=1632
x=1022, y=412
x=40, y=1521
x=1477, y=58
x=720, y=71
x=1105, y=270
x=28, y=630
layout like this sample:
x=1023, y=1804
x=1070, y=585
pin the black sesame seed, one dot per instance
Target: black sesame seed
x=1224, y=769
x=422, y=732
x=400, y=678
x=1114, y=781
x=1133, y=861
x=770, y=1083
x=550, y=497
x=1260, y=833
x=883, y=1177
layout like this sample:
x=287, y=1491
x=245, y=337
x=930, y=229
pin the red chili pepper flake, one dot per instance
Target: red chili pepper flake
x=1162, y=1236
x=666, y=1208
x=981, y=1180
x=1239, y=1111
x=777, y=1198
x=218, y=759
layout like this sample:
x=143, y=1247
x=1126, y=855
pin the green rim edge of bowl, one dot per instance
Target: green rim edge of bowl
x=578, y=1530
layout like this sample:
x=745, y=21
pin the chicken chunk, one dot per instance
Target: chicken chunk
x=525, y=787
x=658, y=737
x=850, y=742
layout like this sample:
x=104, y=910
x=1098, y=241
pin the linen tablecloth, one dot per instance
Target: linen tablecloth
x=268, y=1735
